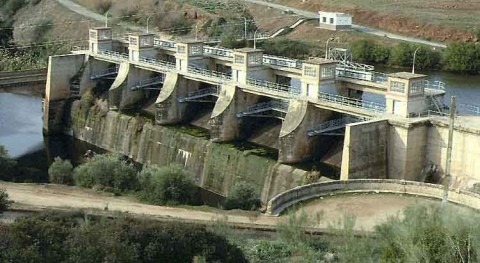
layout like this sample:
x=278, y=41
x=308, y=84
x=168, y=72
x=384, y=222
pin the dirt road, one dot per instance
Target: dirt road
x=369, y=209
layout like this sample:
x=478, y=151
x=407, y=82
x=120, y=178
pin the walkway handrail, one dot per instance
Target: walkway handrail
x=200, y=93
x=218, y=51
x=346, y=101
x=148, y=82
x=275, y=105
x=340, y=123
x=264, y=84
x=106, y=72
x=113, y=54
x=168, y=66
x=282, y=61
x=220, y=76
x=164, y=43
x=436, y=85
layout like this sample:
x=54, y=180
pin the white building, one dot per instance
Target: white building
x=335, y=21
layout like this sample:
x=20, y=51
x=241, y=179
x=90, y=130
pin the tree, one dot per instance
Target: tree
x=243, y=196
x=61, y=172
x=107, y=170
x=401, y=55
x=362, y=50
x=166, y=185
x=462, y=57
x=4, y=201
x=7, y=165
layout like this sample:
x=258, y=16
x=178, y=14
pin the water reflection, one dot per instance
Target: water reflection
x=20, y=123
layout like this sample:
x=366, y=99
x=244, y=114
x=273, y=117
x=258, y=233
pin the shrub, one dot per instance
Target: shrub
x=61, y=171
x=243, y=196
x=106, y=170
x=4, y=201
x=286, y=48
x=462, y=57
x=166, y=185
x=40, y=30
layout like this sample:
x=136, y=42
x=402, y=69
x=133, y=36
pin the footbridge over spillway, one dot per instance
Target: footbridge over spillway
x=242, y=84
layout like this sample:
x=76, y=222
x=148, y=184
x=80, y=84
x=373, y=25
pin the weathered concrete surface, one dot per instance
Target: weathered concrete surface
x=365, y=150
x=216, y=167
x=224, y=123
x=294, y=143
x=115, y=93
x=61, y=69
x=169, y=109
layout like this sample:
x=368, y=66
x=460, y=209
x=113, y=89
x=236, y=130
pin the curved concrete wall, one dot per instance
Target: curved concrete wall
x=300, y=193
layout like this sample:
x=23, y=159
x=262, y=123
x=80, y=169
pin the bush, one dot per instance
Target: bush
x=61, y=172
x=40, y=30
x=286, y=48
x=462, y=57
x=4, y=201
x=166, y=185
x=106, y=171
x=243, y=196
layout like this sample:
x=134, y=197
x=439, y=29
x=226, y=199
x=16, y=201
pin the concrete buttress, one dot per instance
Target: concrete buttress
x=224, y=123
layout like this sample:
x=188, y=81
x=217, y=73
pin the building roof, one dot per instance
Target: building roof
x=406, y=75
x=319, y=61
x=248, y=50
x=334, y=13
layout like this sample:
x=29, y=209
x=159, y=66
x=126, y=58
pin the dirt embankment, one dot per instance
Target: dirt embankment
x=395, y=23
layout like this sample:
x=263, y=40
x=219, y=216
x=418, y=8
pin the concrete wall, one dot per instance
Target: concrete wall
x=61, y=69
x=216, y=167
x=465, y=166
x=365, y=150
x=283, y=200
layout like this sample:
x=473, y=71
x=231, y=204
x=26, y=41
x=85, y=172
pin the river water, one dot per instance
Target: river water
x=21, y=123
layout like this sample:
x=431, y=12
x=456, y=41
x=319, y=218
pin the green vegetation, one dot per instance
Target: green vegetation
x=166, y=185
x=287, y=48
x=457, y=57
x=61, y=172
x=4, y=201
x=243, y=196
x=77, y=237
x=107, y=172
x=7, y=165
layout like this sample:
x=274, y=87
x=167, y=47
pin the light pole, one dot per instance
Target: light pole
x=244, y=28
x=326, y=46
x=196, y=31
x=148, y=19
x=255, y=39
x=414, y=56
x=106, y=18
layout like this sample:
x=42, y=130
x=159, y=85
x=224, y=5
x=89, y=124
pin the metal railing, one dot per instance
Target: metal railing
x=273, y=105
x=149, y=82
x=350, y=102
x=104, y=73
x=192, y=96
x=165, y=65
x=469, y=108
x=164, y=43
x=218, y=76
x=371, y=76
x=263, y=84
x=436, y=85
x=217, y=51
x=113, y=54
x=80, y=48
x=334, y=124
x=281, y=61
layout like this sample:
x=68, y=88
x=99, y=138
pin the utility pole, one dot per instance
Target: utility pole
x=106, y=18
x=449, y=150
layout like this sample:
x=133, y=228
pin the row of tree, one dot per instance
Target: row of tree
x=155, y=185
x=457, y=57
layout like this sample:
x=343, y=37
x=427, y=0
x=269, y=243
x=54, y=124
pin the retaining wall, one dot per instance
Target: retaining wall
x=300, y=193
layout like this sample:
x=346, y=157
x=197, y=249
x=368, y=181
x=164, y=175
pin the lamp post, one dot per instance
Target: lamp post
x=255, y=39
x=414, y=56
x=326, y=46
x=196, y=31
x=148, y=20
x=244, y=28
x=106, y=18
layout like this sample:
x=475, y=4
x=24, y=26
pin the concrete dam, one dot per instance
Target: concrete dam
x=294, y=106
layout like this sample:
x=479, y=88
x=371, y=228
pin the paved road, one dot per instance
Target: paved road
x=359, y=28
